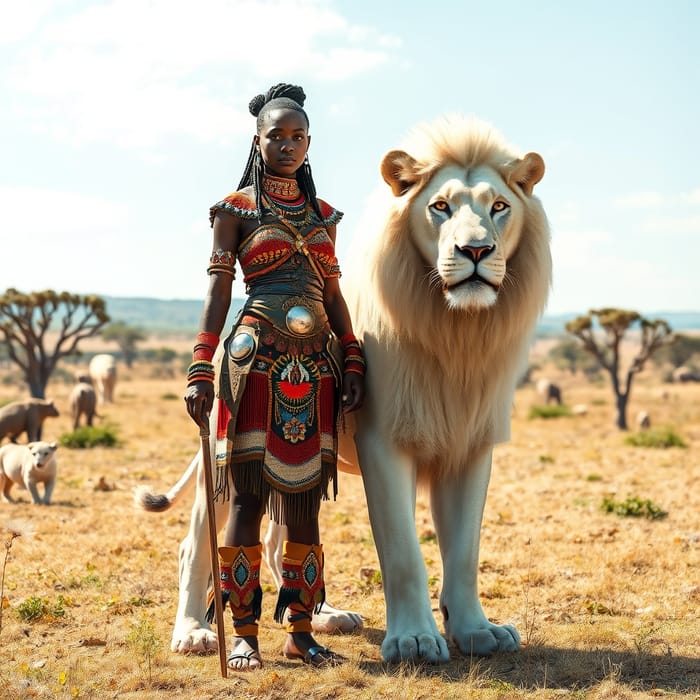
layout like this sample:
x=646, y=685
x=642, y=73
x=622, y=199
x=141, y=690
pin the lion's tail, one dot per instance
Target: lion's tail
x=159, y=502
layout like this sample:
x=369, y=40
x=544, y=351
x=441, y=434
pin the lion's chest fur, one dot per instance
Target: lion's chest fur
x=444, y=402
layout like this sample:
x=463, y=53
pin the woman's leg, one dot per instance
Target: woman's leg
x=302, y=593
x=240, y=578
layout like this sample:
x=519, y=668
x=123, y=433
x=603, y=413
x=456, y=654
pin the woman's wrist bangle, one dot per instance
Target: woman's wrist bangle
x=200, y=371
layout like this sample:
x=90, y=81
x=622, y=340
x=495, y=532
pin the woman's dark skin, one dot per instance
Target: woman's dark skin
x=283, y=142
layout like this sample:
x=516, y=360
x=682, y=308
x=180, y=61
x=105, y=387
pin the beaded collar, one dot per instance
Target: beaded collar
x=281, y=189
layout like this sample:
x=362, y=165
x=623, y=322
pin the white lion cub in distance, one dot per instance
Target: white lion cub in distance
x=26, y=466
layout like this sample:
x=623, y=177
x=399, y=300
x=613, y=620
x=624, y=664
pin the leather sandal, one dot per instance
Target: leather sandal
x=246, y=656
x=316, y=656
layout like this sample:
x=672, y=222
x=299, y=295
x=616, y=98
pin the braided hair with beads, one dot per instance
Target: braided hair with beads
x=280, y=96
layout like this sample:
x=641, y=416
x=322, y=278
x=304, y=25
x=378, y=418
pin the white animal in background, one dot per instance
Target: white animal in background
x=549, y=391
x=26, y=466
x=685, y=374
x=103, y=373
x=643, y=420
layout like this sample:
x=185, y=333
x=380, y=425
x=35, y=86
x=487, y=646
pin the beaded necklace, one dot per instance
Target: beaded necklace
x=286, y=200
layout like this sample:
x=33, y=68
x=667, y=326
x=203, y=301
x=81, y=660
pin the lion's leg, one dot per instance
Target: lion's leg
x=390, y=485
x=458, y=507
x=192, y=633
x=328, y=619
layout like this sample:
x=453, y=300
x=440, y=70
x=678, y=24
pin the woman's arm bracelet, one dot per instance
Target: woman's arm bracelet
x=200, y=371
x=354, y=357
x=205, y=346
x=222, y=261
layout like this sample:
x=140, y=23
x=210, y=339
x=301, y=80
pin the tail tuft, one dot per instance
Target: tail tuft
x=152, y=502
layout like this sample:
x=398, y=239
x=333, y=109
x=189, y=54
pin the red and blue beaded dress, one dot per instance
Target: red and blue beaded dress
x=283, y=445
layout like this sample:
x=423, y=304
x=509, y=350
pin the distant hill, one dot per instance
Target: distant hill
x=182, y=315
x=162, y=315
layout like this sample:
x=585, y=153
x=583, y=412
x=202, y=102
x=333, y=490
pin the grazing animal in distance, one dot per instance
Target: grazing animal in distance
x=685, y=374
x=26, y=466
x=25, y=417
x=643, y=420
x=83, y=402
x=549, y=391
x=103, y=373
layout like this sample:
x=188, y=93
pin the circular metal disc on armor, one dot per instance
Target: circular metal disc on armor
x=241, y=345
x=300, y=320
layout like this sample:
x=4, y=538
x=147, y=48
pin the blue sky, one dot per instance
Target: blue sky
x=123, y=120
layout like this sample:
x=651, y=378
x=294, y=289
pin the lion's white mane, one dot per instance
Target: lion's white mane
x=447, y=390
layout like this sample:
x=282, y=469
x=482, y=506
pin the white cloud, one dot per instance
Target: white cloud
x=133, y=72
x=654, y=200
x=47, y=216
x=668, y=227
x=59, y=240
x=20, y=20
x=645, y=200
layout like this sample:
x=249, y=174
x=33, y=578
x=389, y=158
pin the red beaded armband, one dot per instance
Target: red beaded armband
x=222, y=261
x=354, y=358
x=205, y=346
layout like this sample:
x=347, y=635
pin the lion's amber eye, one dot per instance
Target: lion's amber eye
x=440, y=205
x=498, y=206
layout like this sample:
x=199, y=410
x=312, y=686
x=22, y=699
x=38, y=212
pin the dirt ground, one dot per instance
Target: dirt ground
x=607, y=605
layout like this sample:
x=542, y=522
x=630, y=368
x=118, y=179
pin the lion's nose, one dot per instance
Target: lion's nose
x=476, y=252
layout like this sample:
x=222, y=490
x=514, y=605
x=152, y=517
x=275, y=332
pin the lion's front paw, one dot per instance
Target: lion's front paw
x=190, y=637
x=334, y=621
x=484, y=641
x=421, y=646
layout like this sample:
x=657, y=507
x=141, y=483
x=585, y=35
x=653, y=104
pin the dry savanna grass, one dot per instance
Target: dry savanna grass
x=607, y=605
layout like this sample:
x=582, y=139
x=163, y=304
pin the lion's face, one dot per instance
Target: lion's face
x=466, y=222
x=41, y=452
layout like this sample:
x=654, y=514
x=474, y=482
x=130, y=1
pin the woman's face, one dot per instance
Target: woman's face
x=284, y=141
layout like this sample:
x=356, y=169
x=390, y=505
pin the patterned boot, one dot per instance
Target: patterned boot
x=240, y=588
x=302, y=590
x=301, y=595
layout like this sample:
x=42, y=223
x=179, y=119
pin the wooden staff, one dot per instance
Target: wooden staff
x=213, y=551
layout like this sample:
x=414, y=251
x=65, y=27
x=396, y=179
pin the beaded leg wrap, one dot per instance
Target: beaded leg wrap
x=302, y=592
x=240, y=587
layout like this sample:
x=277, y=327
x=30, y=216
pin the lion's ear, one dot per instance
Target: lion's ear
x=399, y=171
x=526, y=172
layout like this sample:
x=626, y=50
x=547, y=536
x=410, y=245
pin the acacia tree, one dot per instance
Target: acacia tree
x=680, y=352
x=606, y=349
x=30, y=323
x=125, y=337
x=569, y=355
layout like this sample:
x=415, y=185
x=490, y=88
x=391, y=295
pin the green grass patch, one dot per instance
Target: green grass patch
x=656, y=437
x=34, y=609
x=553, y=411
x=90, y=436
x=633, y=507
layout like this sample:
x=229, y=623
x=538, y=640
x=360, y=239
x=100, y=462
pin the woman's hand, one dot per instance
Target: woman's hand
x=199, y=398
x=353, y=391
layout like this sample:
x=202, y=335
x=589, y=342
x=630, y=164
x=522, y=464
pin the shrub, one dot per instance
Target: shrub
x=33, y=609
x=657, y=437
x=552, y=411
x=90, y=436
x=634, y=507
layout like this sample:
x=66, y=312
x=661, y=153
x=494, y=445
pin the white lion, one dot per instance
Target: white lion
x=445, y=302
x=103, y=373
